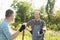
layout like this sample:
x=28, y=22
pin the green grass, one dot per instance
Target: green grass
x=27, y=36
x=52, y=35
x=49, y=35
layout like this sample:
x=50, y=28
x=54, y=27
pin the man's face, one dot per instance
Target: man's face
x=37, y=14
x=11, y=17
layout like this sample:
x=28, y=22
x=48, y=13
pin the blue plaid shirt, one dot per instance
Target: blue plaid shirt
x=4, y=31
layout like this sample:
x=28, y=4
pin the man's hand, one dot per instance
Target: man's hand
x=22, y=28
x=41, y=31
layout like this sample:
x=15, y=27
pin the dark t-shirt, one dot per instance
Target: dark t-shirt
x=36, y=27
x=31, y=23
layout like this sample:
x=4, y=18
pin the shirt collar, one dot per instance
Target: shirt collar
x=6, y=21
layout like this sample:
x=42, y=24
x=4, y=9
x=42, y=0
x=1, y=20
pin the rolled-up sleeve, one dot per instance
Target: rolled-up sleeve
x=30, y=23
x=44, y=25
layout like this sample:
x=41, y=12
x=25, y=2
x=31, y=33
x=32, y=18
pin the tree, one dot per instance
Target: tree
x=58, y=16
x=23, y=10
x=49, y=8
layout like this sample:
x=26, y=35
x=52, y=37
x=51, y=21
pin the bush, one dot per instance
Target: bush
x=53, y=27
x=58, y=26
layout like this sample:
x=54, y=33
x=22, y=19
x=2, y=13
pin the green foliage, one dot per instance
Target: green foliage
x=58, y=16
x=51, y=35
x=49, y=8
x=25, y=13
x=42, y=9
x=58, y=26
x=53, y=27
x=23, y=10
x=53, y=18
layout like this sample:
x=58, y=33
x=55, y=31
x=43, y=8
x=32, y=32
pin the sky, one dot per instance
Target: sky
x=5, y=4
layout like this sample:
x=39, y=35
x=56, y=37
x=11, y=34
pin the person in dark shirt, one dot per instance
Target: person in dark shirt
x=38, y=27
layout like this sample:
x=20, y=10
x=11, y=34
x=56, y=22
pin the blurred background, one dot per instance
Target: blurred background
x=24, y=9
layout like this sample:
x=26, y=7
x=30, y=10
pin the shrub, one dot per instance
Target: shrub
x=53, y=27
x=58, y=26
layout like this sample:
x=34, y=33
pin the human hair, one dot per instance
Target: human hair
x=8, y=13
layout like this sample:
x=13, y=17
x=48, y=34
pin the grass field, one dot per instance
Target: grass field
x=49, y=35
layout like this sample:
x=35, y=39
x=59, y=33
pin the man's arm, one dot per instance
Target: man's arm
x=30, y=23
x=44, y=27
x=43, y=30
x=9, y=36
x=15, y=34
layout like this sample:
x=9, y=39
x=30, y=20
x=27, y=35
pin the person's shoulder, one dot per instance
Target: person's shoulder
x=3, y=24
x=42, y=20
x=32, y=20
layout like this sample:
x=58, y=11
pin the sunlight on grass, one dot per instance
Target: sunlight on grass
x=51, y=35
x=48, y=36
x=27, y=36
